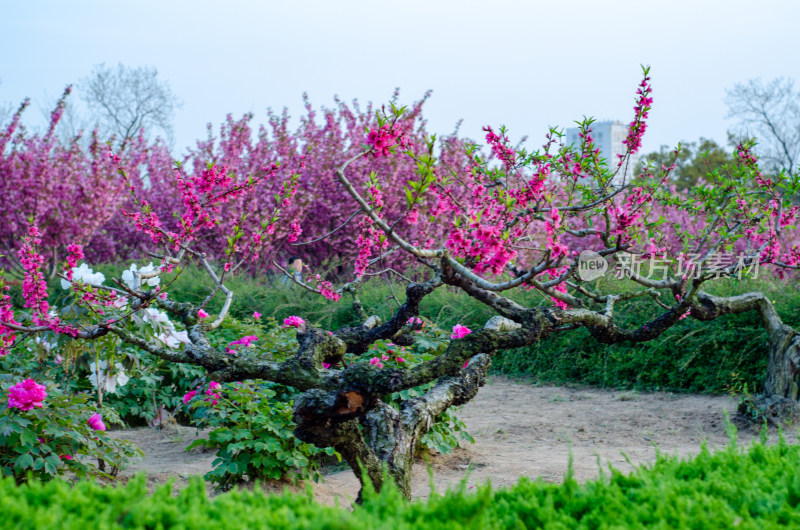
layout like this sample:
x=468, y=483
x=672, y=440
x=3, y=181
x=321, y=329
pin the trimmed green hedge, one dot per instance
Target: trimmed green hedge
x=717, y=357
x=757, y=488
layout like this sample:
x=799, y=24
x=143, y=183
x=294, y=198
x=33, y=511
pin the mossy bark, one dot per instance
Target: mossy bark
x=782, y=382
x=381, y=441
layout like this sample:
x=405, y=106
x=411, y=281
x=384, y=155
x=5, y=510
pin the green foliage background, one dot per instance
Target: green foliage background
x=716, y=357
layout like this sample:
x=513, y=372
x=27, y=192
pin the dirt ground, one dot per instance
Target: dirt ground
x=519, y=430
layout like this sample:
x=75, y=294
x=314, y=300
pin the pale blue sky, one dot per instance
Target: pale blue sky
x=524, y=64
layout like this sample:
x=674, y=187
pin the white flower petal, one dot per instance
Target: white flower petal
x=182, y=336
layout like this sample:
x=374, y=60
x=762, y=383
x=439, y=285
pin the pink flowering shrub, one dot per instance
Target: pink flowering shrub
x=47, y=434
x=42, y=176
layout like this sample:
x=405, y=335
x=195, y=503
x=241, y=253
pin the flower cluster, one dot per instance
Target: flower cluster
x=384, y=138
x=293, y=321
x=7, y=335
x=638, y=126
x=96, y=422
x=375, y=361
x=83, y=274
x=75, y=253
x=163, y=328
x=26, y=395
x=129, y=276
x=34, y=286
x=245, y=341
x=212, y=394
x=107, y=379
x=500, y=147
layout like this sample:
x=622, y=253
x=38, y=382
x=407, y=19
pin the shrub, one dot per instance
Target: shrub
x=252, y=433
x=718, y=356
x=44, y=434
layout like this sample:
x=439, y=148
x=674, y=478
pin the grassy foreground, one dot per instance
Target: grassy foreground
x=754, y=488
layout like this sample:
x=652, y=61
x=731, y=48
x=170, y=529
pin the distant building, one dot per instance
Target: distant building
x=608, y=137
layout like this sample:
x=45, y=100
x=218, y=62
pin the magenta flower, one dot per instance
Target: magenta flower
x=376, y=362
x=202, y=314
x=96, y=422
x=401, y=360
x=66, y=457
x=245, y=341
x=26, y=395
x=326, y=365
x=188, y=396
x=256, y=315
x=213, y=385
x=294, y=321
x=459, y=331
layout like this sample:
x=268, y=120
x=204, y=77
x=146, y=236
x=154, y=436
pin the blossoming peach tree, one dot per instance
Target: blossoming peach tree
x=550, y=220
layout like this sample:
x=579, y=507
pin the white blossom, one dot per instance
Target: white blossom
x=84, y=274
x=157, y=319
x=128, y=276
x=173, y=338
x=109, y=380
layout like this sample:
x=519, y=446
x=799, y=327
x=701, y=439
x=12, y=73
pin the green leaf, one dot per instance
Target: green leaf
x=24, y=461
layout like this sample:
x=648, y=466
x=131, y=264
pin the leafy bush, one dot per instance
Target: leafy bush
x=757, y=489
x=252, y=433
x=150, y=383
x=154, y=384
x=56, y=437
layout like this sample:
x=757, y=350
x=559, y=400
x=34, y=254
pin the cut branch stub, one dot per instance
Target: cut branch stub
x=317, y=412
x=317, y=346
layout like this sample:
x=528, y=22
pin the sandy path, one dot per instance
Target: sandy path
x=519, y=429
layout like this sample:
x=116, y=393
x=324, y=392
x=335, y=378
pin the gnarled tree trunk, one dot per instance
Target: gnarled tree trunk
x=381, y=441
x=373, y=437
x=782, y=383
x=783, y=371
